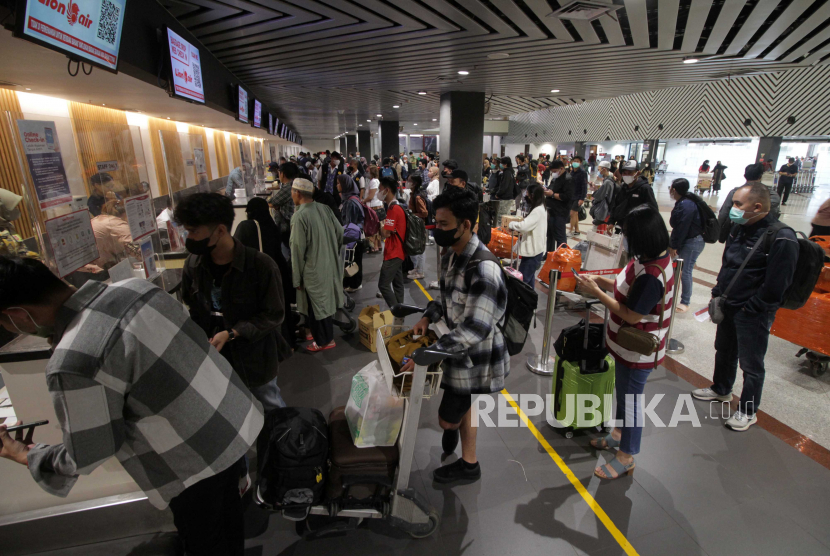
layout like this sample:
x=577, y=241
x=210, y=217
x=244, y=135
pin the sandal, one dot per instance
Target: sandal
x=314, y=348
x=605, y=443
x=618, y=468
x=682, y=308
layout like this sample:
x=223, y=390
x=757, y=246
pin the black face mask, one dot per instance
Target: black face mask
x=445, y=238
x=200, y=247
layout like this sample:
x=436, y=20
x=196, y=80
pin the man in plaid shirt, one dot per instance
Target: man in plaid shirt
x=475, y=295
x=132, y=376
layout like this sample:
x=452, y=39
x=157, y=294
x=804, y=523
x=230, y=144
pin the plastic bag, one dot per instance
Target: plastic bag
x=564, y=260
x=373, y=414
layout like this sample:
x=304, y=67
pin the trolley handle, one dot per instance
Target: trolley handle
x=401, y=310
x=427, y=356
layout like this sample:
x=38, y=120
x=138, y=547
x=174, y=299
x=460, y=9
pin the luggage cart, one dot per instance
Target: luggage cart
x=603, y=251
x=404, y=509
x=704, y=183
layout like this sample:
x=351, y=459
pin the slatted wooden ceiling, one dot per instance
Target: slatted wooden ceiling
x=332, y=65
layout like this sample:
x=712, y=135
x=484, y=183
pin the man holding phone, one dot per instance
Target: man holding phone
x=132, y=376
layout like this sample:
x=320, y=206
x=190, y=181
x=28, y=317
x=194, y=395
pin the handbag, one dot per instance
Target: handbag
x=640, y=341
x=716, y=304
x=582, y=213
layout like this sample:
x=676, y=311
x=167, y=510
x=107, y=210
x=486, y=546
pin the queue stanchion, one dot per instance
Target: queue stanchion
x=435, y=285
x=675, y=347
x=544, y=364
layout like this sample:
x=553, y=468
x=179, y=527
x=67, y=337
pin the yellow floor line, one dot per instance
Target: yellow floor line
x=563, y=467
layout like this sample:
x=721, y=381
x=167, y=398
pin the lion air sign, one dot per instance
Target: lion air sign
x=187, y=68
x=86, y=29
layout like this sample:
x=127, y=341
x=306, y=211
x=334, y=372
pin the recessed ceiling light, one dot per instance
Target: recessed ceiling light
x=103, y=104
x=498, y=55
x=380, y=115
x=359, y=125
x=168, y=117
x=28, y=89
x=396, y=106
x=419, y=92
x=463, y=72
x=368, y=120
x=434, y=119
x=554, y=90
x=690, y=60
x=414, y=124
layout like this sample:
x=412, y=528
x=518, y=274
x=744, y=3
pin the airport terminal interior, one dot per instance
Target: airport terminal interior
x=584, y=143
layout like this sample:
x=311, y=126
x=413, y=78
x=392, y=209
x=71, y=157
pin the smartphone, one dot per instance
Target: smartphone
x=577, y=274
x=27, y=426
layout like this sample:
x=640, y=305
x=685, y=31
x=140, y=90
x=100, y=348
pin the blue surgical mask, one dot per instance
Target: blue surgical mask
x=501, y=166
x=575, y=165
x=736, y=215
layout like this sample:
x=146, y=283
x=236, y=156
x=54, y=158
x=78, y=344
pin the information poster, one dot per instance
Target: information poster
x=88, y=29
x=148, y=256
x=43, y=155
x=187, y=68
x=140, y=216
x=273, y=150
x=242, y=115
x=72, y=241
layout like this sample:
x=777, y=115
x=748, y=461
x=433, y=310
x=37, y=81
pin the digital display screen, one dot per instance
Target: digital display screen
x=257, y=114
x=242, y=111
x=186, y=68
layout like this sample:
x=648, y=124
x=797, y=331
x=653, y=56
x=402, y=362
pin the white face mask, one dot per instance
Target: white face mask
x=555, y=175
x=628, y=179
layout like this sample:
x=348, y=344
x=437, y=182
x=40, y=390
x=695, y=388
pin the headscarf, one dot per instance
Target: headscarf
x=348, y=185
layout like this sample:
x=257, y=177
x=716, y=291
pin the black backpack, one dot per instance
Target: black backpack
x=808, y=269
x=521, y=304
x=711, y=226
x=430, y=219
x=293, y=450
x=415, y=242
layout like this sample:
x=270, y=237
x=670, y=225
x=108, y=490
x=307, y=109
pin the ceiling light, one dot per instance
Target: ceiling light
x=414, y=124
x=359, y=125
x=368, y=120
x=554, y=90
x=396, y=106
x=28, y=89
x=690, y=60
x=168, y=117
x=419, y=92
x=103, y=104
x=434, y=119
x=380, y=115
x=463, y=72
x=498, y=55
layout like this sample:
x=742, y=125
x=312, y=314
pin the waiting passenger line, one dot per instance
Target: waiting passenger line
x=563, y=467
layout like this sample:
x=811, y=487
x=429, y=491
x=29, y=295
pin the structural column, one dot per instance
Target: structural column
x=388, y=138
x=351, y=144
x=341, y=146
x=364, y=143
x=768, y=149
x=579, y=149
x=652, y=152
x=462, y=130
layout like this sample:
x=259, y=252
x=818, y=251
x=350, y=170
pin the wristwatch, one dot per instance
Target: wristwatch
x=231, y=335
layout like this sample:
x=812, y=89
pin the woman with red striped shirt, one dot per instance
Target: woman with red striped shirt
x=641, y=291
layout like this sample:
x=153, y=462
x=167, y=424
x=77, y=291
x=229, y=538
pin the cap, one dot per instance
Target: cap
x=302, y=184
x=630, y=165
x=605, y=164
x=460, y=174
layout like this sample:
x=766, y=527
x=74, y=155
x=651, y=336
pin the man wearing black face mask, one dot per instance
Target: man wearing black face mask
x=234, y=294
x=470, y=273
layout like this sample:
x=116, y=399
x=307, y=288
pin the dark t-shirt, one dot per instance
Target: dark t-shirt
x=645, y=294
x=218, y=272
x=790, y=169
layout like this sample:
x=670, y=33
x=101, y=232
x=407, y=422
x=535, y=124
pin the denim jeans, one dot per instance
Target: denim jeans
x=742, y=337
x=269, y=395
x=528, y=266
x=630, y=384
x=418, y=262
x=689, y=252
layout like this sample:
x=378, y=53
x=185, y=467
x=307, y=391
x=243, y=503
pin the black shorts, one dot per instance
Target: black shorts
x=454, y=406
x=575, y=205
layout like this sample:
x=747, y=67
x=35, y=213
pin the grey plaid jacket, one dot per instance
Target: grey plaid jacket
x=132, y=376
x=474, y=313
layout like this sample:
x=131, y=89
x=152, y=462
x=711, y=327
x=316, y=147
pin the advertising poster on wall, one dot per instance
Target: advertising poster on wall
x=140, y=216
x=242, y=96
x=72, y=241
x=86, y=29
x=187, y=68
x=43, y=155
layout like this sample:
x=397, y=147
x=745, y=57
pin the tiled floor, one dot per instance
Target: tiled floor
x=696, y=490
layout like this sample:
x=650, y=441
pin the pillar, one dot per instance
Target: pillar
x=351, y=144
x=769, y=148
x=388, y=138
x=579, y=149
x=462, y=130
x=652, y=152
x=341, y=146
x=364, y=143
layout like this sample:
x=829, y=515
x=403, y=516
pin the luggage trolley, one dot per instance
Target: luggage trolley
x=404, y=508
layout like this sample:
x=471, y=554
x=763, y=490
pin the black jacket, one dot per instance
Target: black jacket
x=580, y=179
x=324, y=174
x=767, y=276
x=252, y=304
x=629, y=197
x=506, y=189
x=563, y=185
x=685, y=222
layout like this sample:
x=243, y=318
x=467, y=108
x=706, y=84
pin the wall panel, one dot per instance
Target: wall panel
x=10, y=177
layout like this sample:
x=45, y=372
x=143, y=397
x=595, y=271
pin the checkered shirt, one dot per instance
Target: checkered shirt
x=474, y=313
x=132, y=376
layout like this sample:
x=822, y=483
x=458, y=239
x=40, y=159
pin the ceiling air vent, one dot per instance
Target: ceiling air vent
x=584, y=10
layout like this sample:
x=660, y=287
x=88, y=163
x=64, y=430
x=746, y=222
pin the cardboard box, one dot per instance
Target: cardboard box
x=507, y=219
x=371, y=318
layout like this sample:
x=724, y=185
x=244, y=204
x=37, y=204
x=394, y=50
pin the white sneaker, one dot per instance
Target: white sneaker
x=434, y=285
x=416, y=276
x=709, y=395
x=740, y=421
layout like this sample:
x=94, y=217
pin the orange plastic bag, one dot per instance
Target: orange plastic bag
x=501, y=243
x=808, y=326
x=563, y=259
x=824, y=241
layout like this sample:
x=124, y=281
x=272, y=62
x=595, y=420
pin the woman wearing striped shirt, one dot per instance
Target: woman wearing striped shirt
x=637, y=301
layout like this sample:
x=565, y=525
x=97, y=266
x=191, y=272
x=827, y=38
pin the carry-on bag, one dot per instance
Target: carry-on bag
x=373, y=414
x=357, y=475
x=582, y=368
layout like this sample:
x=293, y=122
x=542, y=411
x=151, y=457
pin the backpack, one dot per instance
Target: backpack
x=371, y=222
x=521, y=304
x=404, y=172
x=294, y=448
x=811, y=257
x=711, y=226
x=430, y=219
x=387, y=172
x=415, y=242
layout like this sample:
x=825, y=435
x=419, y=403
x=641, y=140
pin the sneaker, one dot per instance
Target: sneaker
x=457, y=471
x=575, y=234
x=709, y=395
x=449, y=442
x=244, y=484
x=434, y=285
x=379, y=295
x=740, y=421
x=416, y=276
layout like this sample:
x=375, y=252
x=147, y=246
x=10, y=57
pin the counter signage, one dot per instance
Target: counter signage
x=85, y=29
x=242, y=113
x=72, y=241
x=43, y=154
x=140, y=216
x=187, y=68
x=108, y=166
x=148, y=256
x=257, y=113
